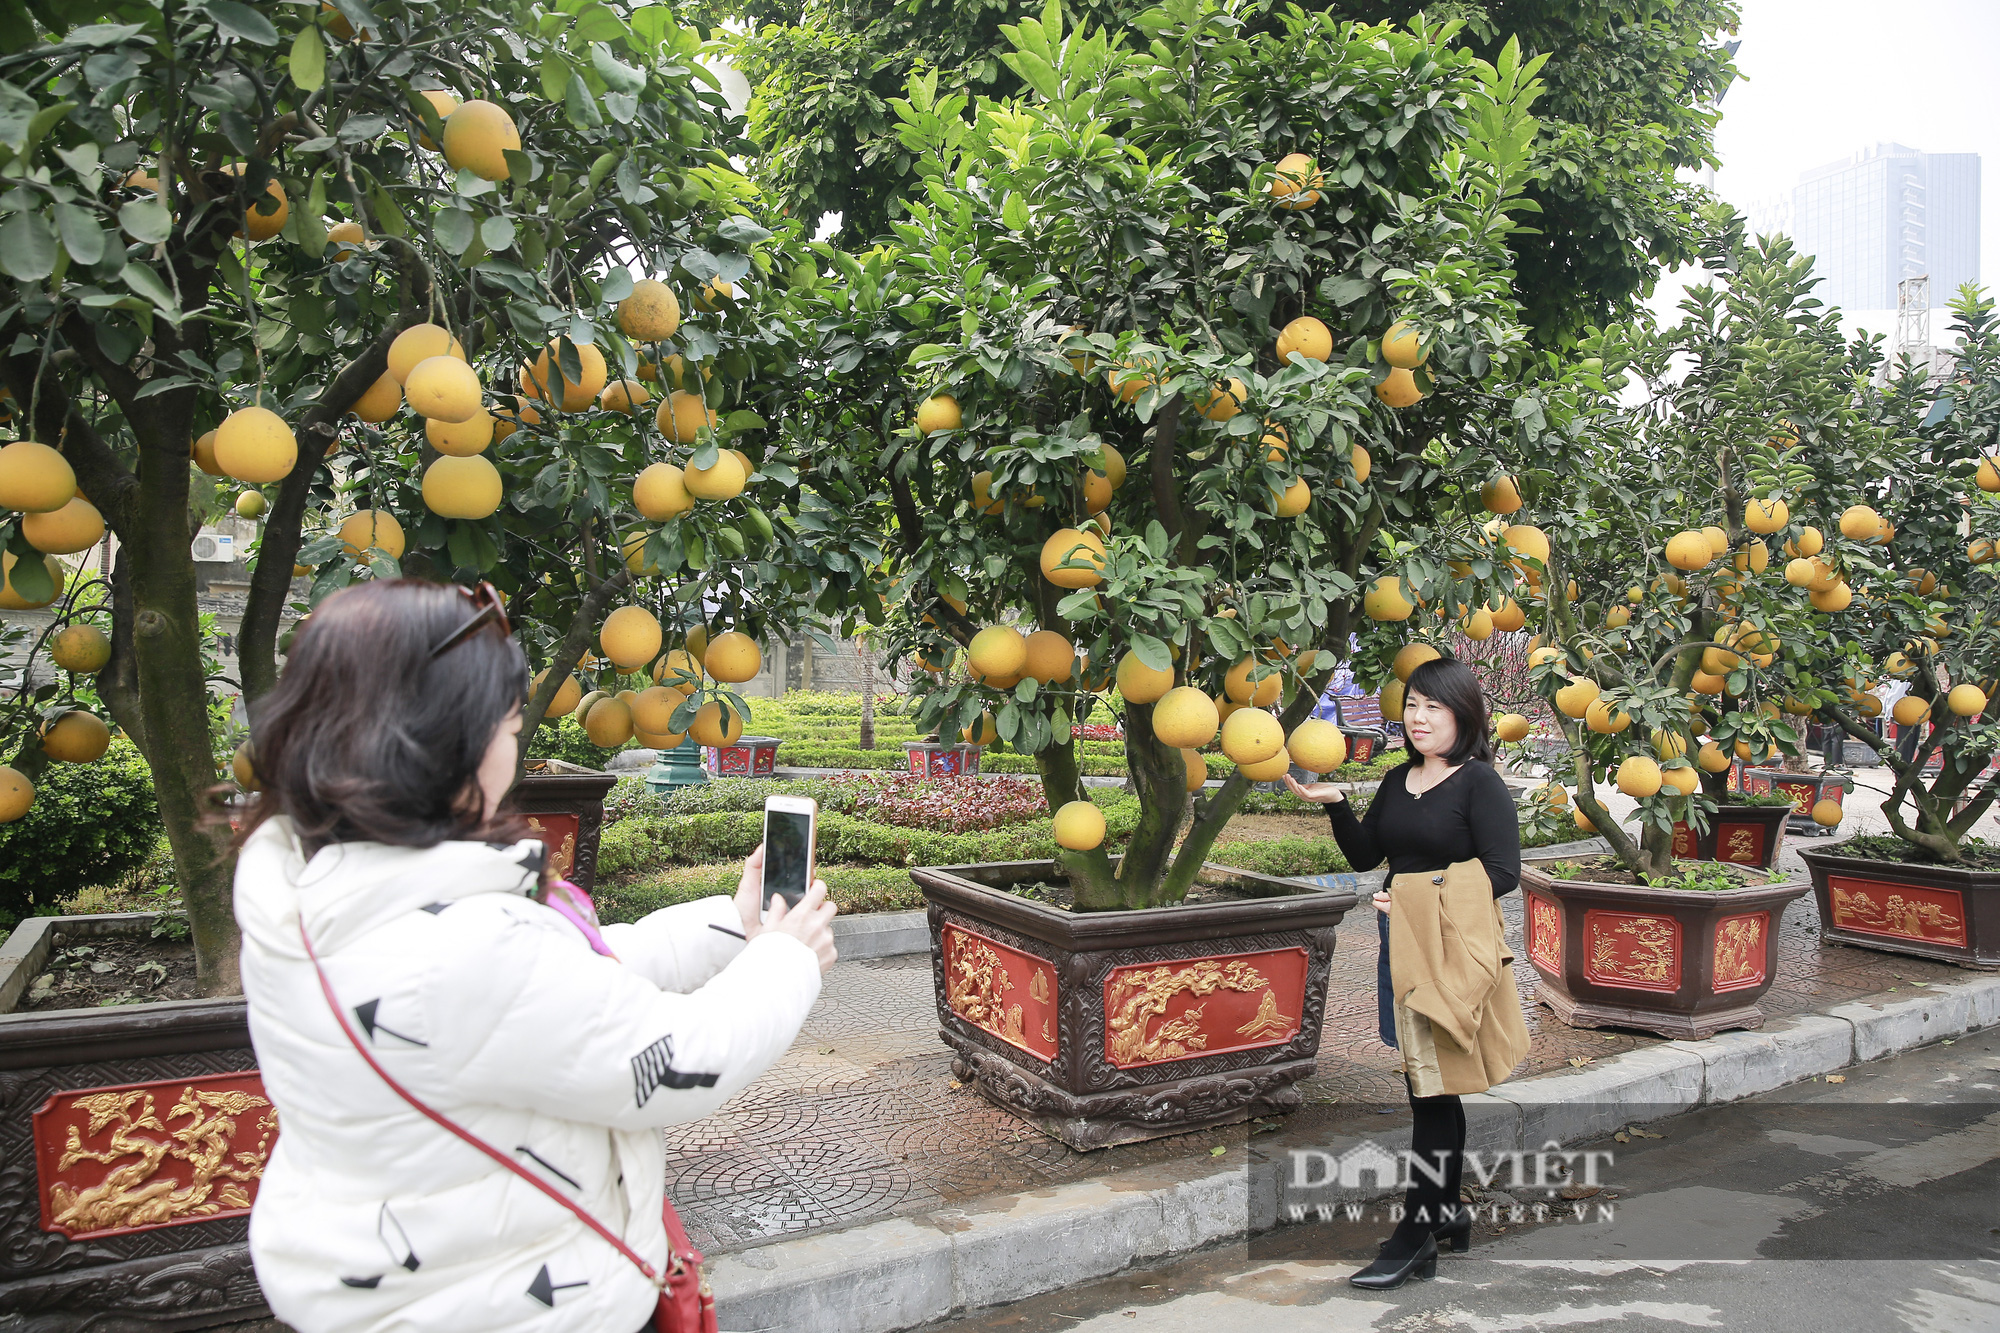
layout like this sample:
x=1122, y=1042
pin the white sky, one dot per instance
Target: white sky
x=1822, y=79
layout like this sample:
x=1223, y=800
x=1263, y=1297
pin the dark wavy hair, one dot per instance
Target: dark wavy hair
x=1451, y=683
x=368, y=738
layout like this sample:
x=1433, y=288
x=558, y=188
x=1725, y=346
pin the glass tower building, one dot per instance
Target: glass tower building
x=1886, y=214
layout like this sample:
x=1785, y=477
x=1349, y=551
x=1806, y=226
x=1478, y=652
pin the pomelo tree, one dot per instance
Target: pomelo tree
x=252, y=234
x=1122, y=380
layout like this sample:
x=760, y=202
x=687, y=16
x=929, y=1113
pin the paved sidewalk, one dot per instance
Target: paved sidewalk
x=862, y=1119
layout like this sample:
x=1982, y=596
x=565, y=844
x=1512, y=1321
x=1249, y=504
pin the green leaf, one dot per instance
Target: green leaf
x=144, y=282
x=242, y=22
x=27, y=247
x=309, y=59
x=497, y=233
x=580, y=107
x=81, y=235
x=30, y=579
x=146, y=220
x=453, y=229
x=1015, y=212
x=617, y=76
x=555, y=74
x=1153, y=652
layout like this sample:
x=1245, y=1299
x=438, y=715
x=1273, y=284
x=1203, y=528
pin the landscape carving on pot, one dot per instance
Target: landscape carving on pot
x=980, y=972
x=1918, y=914
x=1633, y=950
x=159, y=1173
x=1739, y=951
x=1545, y=932
x=1135, y=997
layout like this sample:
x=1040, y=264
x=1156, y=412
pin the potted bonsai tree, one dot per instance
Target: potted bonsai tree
x=1152, y=363
x=1667, y=636
x=1924, y=593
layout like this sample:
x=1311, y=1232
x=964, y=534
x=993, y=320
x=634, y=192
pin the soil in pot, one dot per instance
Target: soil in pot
x=1060, y=896
x=99, y=973
x=1700, y=876
x=1978, y=854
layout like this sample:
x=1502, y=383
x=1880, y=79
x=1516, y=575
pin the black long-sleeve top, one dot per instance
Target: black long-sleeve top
x=1470, y=814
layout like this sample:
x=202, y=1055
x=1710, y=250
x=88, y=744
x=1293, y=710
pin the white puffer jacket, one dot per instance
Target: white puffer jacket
x=494, y=1011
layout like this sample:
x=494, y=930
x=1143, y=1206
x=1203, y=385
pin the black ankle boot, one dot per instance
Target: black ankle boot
x=1387, y=1273
x=1454, y=1229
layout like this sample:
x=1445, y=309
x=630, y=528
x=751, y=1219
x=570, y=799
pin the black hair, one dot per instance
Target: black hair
x=1451, y=683
x=368, y=737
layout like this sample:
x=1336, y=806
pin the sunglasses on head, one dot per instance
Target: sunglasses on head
x=487, y=609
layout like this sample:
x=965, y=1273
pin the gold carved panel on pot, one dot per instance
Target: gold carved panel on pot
x=1872, y=907
x=1742, y=844
x=1632, y=950
x=1686, y=846
x=1202, y=1006
x=1545, y=934
x=113, y=1160
x=1001, y=991
x=558, y=833
x=1742, y=943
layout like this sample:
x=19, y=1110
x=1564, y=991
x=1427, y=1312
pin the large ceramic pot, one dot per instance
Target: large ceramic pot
x=565, y=804
x=1931, y=911
x=1744, y=835
x=1806, y=791
x=750, y=757
x=1680, y=962
x=132, y=1140
x=934, y=759
x=1111, y=1027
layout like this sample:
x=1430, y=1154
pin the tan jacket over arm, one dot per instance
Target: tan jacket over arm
x=1453, y=978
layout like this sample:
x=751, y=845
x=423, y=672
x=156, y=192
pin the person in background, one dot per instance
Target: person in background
x=395, y=928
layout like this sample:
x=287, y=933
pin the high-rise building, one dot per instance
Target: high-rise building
x=1886, y=214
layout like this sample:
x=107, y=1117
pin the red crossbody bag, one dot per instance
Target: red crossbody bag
x=686, y=1303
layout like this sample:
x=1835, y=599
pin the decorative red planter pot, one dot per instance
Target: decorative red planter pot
x=1806, y=791
x=1112, y=1027
x=1930, y=911
x=565, y=805
x=1363, y=743
x=1679, y=962
x=1744, y=835
x=750, y=757
x=933, y=759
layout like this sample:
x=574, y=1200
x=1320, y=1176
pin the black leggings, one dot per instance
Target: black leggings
x=1437, y=1135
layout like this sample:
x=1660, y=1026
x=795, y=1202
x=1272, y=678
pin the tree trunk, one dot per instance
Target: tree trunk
x=1160, y=777
x=867, y=699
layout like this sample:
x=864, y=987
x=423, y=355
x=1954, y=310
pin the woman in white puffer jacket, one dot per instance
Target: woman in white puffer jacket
x=381, y=834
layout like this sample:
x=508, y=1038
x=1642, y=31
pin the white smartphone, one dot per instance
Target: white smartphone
x=791, y=830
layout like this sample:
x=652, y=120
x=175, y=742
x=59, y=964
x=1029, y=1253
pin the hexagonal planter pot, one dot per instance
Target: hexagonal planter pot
x=1806, y=791
x=934, y=759
x=1744, y=835
x=1679, y=962
x=1931, y=911
x=750, y=757
x=565, y=805
x=1112, y=1027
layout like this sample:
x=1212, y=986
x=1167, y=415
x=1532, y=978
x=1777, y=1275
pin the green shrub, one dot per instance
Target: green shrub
x=566, y=740
x=854, y=888
x=1282, y=856
x=90, y=824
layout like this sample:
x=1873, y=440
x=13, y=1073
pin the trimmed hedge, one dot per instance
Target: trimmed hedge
x=90, y=825
x=854, y=888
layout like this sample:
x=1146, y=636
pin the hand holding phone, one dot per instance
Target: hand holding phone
x=791, y=827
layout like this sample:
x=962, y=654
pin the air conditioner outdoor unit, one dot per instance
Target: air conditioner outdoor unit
x=214, y=547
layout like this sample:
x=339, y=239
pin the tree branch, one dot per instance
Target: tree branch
x=1160, y=465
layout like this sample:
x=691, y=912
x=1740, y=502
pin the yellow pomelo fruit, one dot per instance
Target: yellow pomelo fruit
x=651, y=313
x=250, y=504
x=1830, y=600
x=567, y=696
x=1618, y=617
x=653, y=709
x=1223, y=401
x=1400, y=389
x=1237, y=686
x=1639, y=776
x=1079, y=826
x=1251, y=736
x=418, y=344
x=1826, y=813
x=382, y=400
x=1753, y=559
x=1197, y=769
x=346, y=238
x=1966, y=700
x=1317, y=746
x=1583, y=821
x=1081, y=547
x=203, y=449
x=660, y=493
x=1308, y=337
x=258, y=224
x=982, y=733
x=681, y=669
x=1711, y=758
x=1295, y=175
x=477, y=136
x=1411, y=656
x=682, y=417
x=733, y=658
x=633, y=548
x=1910, y=710
x=1718, y=540
x=1510, y=616
x=35, y=478
x=1575, y=698
x=243, y=767
x=939, y=413
x=713, y=294
x=462, y=487
x=1402, y=347
x=1185, y=718
x=983, y=498
x=1704, y=683
x=16, y=794
x=1268, y=770
x=1114, y=466
x=1392, y=701
x=1139, y=683
x=659, y=740
x=626, y=396
x=1051, y=658
x=1096, y=492
x=998, y=650
x=1551, y=794
x=586, y=703
x=1511, y=727
x=83, y=649
x=443, y=388
x=1765, y=517
x=711, y=727
x=1599, y=717
x=1385, y=600
x=723, y=479
x=1987, y=476
x=1669, y=744
x=441, y=102
x=255, y=445
x=76, y=737
x=371, y=529
x=631, y=637
x=1860, y=523
x=1362, y=464
x=461, y=439
x=77, y=526
x=1526, y=542
x=609, y=723
x=1502, y=495
x=547, y=380
x=1683, y=780
x=1689, y=550
x=1293, y=501
x=1809, y=542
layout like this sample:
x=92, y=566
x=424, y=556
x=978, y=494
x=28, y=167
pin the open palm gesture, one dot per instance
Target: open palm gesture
x=1319, y=793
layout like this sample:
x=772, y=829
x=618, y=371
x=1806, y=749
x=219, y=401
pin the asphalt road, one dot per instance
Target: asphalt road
x=1868, y=1204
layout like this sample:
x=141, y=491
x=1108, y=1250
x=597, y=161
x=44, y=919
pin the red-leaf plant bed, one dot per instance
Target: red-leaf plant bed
x=1950, y=913
x=1112, y=1027
x=1685, y=963
x=1744, y=835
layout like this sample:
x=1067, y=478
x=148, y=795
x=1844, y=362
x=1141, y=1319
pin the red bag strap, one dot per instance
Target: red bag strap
x=679, y=1249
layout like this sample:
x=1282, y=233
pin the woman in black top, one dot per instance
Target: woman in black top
x=1447, y=804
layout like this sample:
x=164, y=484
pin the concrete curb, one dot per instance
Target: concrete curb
x=31, y=943
x=882, y=934
x=901, y=1272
